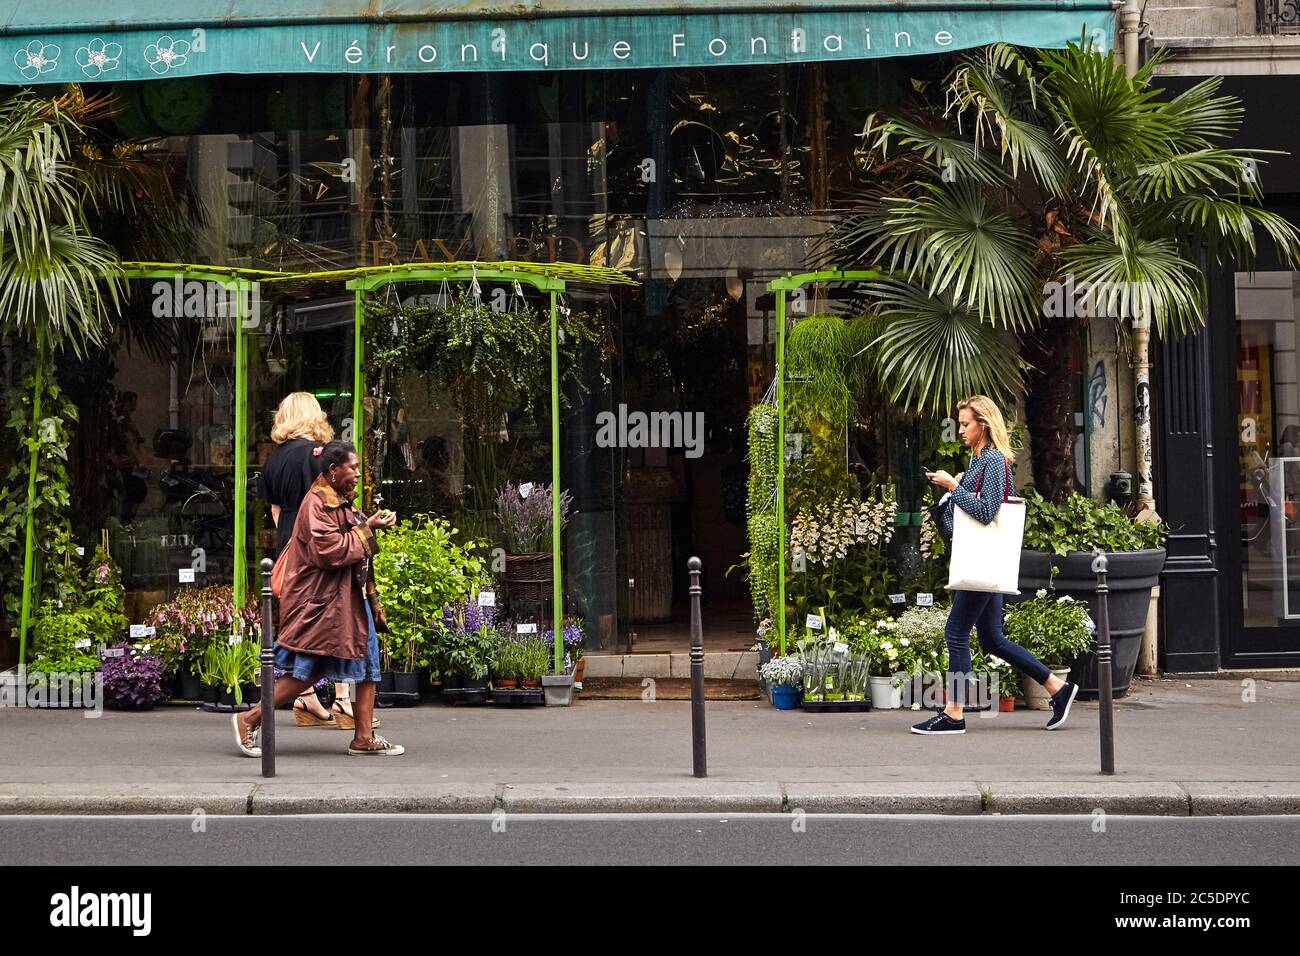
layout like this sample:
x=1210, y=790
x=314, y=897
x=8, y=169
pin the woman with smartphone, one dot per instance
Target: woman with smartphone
x=329, y=610
x=980, y=491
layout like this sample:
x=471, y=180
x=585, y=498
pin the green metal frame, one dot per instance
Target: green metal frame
x=550, y=278
x=781, y=287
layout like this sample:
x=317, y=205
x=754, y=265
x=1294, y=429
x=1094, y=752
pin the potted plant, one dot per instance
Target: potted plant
x=191, y=623
x=465, y=644
x=535, y=660
x=231, y=666
x=1057, y=556
x=62, y=641
x=132, y=681
x=886, y=654
x=558, y=688
x=783, y=675
x=1057, y=630
x=420, y=571
x=526, y=516
x=507, y=665
x=572, y=646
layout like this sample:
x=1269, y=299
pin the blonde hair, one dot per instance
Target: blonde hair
x=300, y=416
x=987, y=413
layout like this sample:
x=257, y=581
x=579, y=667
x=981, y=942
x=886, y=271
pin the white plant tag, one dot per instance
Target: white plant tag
x=186, y=575
x=150, y=631
x=898, y=599
x=233, y=639
x=841, y=647
x=925, y=599
x=81, y=552
x=137, y=630
x=115, y=652
x=487, y=598
x=84, y=642
x=525, y=489
x=814, y=622
x=526, y=629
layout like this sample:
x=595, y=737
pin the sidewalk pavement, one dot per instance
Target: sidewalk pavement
x=1182, y=748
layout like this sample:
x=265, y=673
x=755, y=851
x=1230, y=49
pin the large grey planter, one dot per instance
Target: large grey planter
x=1130, y=576
x=558, y=688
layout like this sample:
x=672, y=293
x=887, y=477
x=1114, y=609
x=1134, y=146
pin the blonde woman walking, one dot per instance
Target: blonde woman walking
x=980, y=492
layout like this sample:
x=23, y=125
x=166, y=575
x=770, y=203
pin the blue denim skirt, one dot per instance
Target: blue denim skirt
x=317, y=667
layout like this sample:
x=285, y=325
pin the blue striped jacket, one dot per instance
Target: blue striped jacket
x=992, y=465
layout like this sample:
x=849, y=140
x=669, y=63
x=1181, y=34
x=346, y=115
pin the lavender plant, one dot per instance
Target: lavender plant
x=526, y=514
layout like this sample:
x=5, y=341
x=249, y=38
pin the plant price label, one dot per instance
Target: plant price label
x=525, y=489
x=841, y=647
x=234, y=639
x=115, y=652
x=81, y=552
x=137, y=630
x=526, y=629
x=186, y=575
x=925, y=599
x=84, y=642
x=487, y=598
x=814, y=622
x=150, y=631
x=898, y=599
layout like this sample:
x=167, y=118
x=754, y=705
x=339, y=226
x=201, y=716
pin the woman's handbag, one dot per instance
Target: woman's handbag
x=986, y=557
x=278, y=572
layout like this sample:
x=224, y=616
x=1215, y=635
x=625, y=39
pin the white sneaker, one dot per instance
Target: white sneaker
x=250, y=745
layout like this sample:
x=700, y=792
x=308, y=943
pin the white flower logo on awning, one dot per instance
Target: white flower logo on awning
x=36, y=58
x=166, y=54
x=98, y=57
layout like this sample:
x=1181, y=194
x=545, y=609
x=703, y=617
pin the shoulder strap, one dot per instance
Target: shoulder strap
x=1006, y=491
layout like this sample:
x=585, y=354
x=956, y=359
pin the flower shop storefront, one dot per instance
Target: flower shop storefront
x=702, y=154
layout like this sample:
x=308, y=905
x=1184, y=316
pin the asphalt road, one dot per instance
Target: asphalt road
x=649, y=840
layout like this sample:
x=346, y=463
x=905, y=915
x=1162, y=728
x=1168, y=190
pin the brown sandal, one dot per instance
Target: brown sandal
x=303, y=717
x=345, y=721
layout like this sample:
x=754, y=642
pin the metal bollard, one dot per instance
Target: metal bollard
x=1105, y=693
x=268, y=672
x=697, y=673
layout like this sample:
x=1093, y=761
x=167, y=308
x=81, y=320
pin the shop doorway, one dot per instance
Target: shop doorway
x=684, y=371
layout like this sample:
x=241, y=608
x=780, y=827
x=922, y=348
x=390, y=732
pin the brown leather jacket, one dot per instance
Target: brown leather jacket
x=328, y=578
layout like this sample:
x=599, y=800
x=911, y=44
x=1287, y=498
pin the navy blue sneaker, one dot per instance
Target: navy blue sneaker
x=940, y=723
x=1061, y=702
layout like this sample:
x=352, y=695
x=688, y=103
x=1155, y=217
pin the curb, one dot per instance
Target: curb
x=965, y=799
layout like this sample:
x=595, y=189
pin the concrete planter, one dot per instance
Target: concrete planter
x=1130, y=576
x=558, y=688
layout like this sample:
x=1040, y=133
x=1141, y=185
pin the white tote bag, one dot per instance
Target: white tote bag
x=986, y=557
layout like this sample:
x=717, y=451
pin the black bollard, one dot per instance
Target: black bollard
x=697, y=673
x=268, y=672
x=1105, y=693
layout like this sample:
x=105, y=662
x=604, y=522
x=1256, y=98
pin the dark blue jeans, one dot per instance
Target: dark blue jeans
x=983, y=611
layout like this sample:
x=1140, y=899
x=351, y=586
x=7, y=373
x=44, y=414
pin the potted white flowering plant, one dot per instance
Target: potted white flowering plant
x=1056, y=630
x=783, y=675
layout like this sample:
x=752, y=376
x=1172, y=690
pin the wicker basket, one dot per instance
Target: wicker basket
x=529, y=580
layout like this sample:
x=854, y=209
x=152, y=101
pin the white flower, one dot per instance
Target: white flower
x=905, y=641
x=98, y=57
x=166, y=54
x=916, y=706
x=1065, y=598
x=36, y=58
x=1040, y=593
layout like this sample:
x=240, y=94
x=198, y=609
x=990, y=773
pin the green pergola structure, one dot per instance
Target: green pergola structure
x=551, y=279
x=782, y=287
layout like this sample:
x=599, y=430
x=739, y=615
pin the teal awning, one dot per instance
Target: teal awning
x=110, y=40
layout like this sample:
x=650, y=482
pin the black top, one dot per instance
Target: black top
x=286, y=479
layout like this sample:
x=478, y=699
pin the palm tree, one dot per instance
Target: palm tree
x=1050, y=167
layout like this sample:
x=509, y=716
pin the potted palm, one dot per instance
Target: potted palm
x=1055, y=629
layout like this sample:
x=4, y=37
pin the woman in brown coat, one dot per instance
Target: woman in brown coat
x=328, y=608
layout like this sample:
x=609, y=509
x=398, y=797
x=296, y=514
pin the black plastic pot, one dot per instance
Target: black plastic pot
x=406, y=682
x=1130, y=576
x=386, y=682
x=209, y=693
x=252, y=693
x=191, y=687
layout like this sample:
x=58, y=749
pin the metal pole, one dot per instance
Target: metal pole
x=779, y=610
x=699, y=755
x=268, y=672
x=240, y=583
x=358, y=391
x=557, y=611
x=29, y=551
x=1105, y=692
